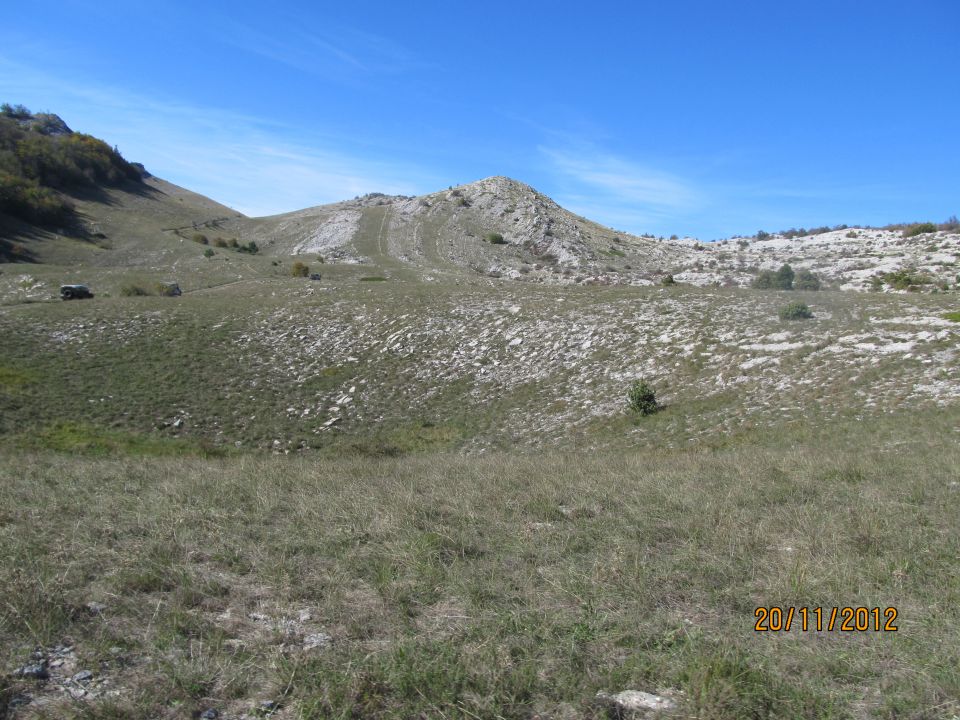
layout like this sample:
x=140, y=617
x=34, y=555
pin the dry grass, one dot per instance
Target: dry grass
x=498, y=586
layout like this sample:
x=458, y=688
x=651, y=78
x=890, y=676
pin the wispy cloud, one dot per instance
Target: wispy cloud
x=617, y=191
x=336, y=52
x=257, y=165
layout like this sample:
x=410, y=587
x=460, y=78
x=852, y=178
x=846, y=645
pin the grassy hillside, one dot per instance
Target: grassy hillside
x=264, y=360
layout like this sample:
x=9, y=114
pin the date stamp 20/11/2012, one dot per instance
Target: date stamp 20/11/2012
x=817, y=619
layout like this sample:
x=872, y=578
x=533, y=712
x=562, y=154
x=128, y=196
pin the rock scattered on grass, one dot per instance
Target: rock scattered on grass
x=83, y=676
x=637, y=701
x=34, y=671
x=316, y=641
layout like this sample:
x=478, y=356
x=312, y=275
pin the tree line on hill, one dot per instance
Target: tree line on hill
x=40, y=160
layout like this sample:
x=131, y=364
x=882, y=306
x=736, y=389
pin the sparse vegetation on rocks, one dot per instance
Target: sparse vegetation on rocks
x=905, y=279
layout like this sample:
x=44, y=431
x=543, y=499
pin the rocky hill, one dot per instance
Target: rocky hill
x=497, y=227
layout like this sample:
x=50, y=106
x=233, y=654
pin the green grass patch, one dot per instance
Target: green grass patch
x=83, y=438
x=952, y=316
x=14, y=378
x=373, y=278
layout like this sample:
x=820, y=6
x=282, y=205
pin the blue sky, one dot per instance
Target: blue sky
x=692, y=117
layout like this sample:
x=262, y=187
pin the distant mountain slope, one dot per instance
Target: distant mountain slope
x=68, y=198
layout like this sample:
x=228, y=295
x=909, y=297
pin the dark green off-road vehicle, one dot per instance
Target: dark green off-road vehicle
x=75, y=292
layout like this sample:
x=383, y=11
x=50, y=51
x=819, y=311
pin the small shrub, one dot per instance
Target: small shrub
x=761, y=235
x=133, y=291
x=373, y=278
x=643, y=400
x=952, y=316
x=919, y=229
x=765, y=280
x=905, y=279
x=795, y=311
x=220, y=243
x=200, y=238
x=233, y=243
x=851, y=234
x=495, y=238
x=208, y=253
x=299, y=269
x=668, y=280
x=951, y=225
x=806, y=280
x=250, y=247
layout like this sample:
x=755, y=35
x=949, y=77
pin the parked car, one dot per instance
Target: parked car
x=75, y=292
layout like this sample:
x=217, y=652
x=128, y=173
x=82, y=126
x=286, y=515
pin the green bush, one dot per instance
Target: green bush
x=905, y=279
x=782, y=279
x=643, y=400
x=668, y=280
x=250, y=247
x=806, y=280
x=919, y=229
x=208, y=253
x=765, y=280
x=299, y=269
x=200, y=238
x=133, y=291
x=795, y=311
x=785, y=278
x=495, y=238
